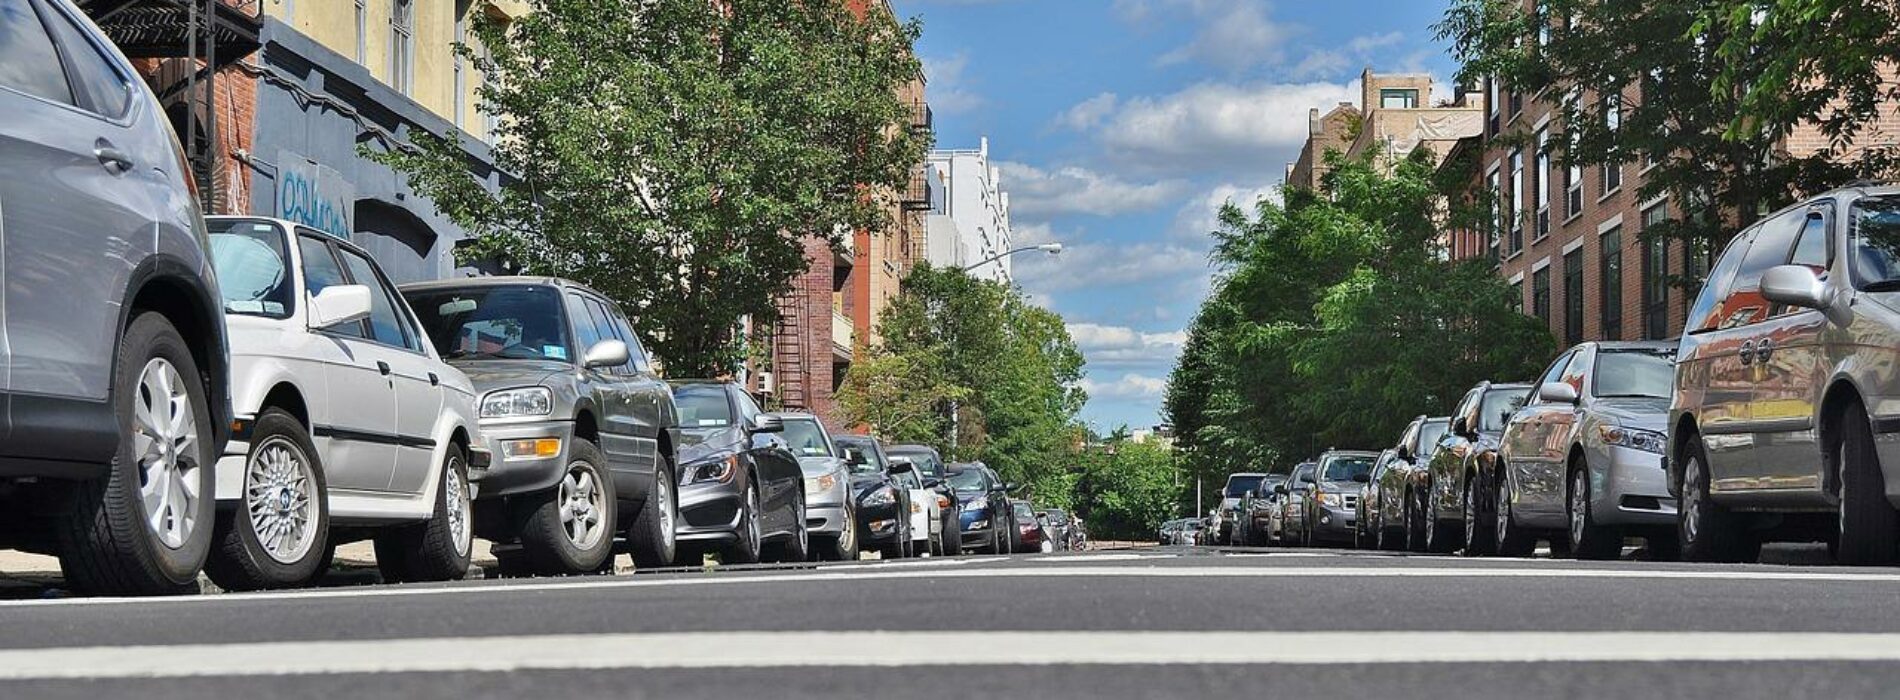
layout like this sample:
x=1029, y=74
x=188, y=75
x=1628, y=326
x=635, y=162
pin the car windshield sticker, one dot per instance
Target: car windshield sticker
x=555, y=351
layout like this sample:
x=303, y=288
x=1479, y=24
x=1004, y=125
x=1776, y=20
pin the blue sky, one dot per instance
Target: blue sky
x=1122, y=125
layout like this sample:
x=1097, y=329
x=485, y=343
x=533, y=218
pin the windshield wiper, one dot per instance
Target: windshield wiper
x=1892, y=285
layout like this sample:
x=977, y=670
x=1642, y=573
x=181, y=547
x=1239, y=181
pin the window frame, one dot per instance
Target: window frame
x=76, y=80
x=1610, y=252
x=1573, y=296
x=402, y=46
x=411, y=328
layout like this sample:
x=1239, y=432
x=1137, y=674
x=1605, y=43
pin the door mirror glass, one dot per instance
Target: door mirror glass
x=1794, y=285
x=606, y=353
x=1557, y=392
x=761, y=423
x=338, y=304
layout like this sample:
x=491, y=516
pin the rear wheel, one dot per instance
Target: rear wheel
x=1707, y=531
x=1868, y=523
x=569, y=529
x=796, y=547
x=277, y=535
x=1479, y=523
x=1512, y=539
x=436, y=549
x=1588, y=540
x=145, y=527
x=844, y=545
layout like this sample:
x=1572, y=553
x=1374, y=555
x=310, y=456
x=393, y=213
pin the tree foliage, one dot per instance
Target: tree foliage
x=674, y=153
x=1334, y=320
x=1125, y=489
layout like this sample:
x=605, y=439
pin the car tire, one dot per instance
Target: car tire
x=1479, y=520
x=1707, y=531
x=795, y=547
x=1588, y=540
x=1513, y=540
x=437, y=549
x=654, y=534
x=842, y=546
x=284, y=500
x=1414, y=523
x=1869, y=525
x=569, y=529
x=108, y=543
x=747, y=549
x=1439, y=537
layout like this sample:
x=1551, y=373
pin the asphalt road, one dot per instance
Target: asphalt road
x=1151, y=623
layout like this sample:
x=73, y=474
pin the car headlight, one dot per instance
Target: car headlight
x=526, y=401
x=1633, y=438
x=1329, y=499
x=820, y=484
x=719, y=470
x=881, y=497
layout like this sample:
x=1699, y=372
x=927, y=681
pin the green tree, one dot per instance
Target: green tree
x=674, y=153
x=900, y=398
x=1125, y=489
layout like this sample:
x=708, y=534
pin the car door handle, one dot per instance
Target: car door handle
x=382, y=367
x=1764, y=349
x=1748, y=352
x=114, y=160
x=434, y=380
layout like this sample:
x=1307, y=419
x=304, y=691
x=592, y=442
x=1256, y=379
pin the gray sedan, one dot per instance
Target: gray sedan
x=1584, y=457
x=830, y=515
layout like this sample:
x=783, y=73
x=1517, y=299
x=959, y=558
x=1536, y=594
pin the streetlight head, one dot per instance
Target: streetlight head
x=1050, y=248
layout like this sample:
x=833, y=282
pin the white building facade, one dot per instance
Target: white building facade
x=969, y=216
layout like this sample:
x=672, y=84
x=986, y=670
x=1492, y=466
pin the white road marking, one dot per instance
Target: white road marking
x=902, y=649
x=1102, y=557
x=883, y=573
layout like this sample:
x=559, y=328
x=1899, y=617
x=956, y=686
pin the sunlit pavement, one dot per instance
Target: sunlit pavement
x=1149, y=622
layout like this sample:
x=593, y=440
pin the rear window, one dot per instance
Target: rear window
x=1347, y=468
x=1238, y=486
x=805, y=438
x=703, y=406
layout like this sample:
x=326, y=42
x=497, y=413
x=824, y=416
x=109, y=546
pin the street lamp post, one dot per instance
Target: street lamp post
x=1050, y=248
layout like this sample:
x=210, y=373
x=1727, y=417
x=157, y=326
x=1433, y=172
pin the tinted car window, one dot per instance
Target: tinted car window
x=104, y=88
x=321, y=271
x=703, y=406
x=385, y=313
x=926, y=461
x=517, y=323
x=28, y=62
x=1811, y=248
x=1774, y=239
x=1344, y=468
x=1498, y=406
x=251, y=259
x=1707, y=314
x=1875, y=229
x=858, y=455
x=586, y=332
x=1303, y=474
x=1428, y=436
x=636, y=354
x=1238, y=486
x=806, y=438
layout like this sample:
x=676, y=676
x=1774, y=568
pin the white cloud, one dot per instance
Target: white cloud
x=1259, y=126
x=1201, y=215
x=1123, y=346
x=1231, y=34
x=1348, y=58
x=1104, y=265
x=1035, y=192
x=1130, y=386
x=1088, y=113
x=946, y=87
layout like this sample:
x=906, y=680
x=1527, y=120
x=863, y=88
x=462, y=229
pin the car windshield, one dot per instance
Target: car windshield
x=969, y=481
x=1876, y=239
x=1633, y=373
x=249, y=257
x=1238, y=486
x=518, y=322
x=926, y=461
x=1024, y=512
x=1428, y=435
x=1498, y=405
x=806, y=438
x=703, y=407
x=1345, y=467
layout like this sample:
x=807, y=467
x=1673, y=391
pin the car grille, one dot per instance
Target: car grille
x=1352, y=501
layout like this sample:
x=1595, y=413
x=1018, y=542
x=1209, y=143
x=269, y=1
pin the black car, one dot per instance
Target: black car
x=741, y=489
x=936, y=475
x=883, y=499
x=983, y=500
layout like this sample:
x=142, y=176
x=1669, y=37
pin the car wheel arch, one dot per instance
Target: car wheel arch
x=585, y=425
x=1684, y=430
x=1839, y=396
x=288, y=397
x=167, y=286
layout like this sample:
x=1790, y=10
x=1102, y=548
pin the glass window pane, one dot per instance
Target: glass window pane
x=519, y=323
x=253, y=275
x=385, y=315
x=104, y=88
x=1811, y=248
x=586, y=334
x=28, y=62
x=1708, y=310
x=1876, y=235
x=320, y=271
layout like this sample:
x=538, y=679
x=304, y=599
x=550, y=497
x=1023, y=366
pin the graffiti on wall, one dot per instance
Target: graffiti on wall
x=314, y=195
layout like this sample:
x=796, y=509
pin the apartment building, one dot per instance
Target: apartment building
x=972, y=223
x=1396, y=115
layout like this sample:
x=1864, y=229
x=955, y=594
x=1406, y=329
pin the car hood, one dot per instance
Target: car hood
x=861, y=483
x=820, y=466
x=489, y=374
x=1644, y=413
x=707, y=445
x=1339, y=487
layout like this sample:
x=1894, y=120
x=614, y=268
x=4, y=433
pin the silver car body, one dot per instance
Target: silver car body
x=827, y=478
x=1617, y=438
x=1403, y=478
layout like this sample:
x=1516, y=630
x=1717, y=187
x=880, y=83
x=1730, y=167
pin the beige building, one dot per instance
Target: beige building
x=1396, y=115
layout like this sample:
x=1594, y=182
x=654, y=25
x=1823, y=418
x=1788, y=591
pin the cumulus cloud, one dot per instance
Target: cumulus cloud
x=1201, y=215
x=1088, y=113
x=1231, y=34
x=1215, y=124
x=1131, y=385
x=1035, y=192
x=1100, y=265
x=1124, y=346
x=1349, y=57
x=948, y=89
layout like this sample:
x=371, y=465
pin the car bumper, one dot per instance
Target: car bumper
x=976, y=528
x=1631, y=489
x=826, y=520
x=879, y=524
x=510, y=476
x=709, y=511
x=1334, y=524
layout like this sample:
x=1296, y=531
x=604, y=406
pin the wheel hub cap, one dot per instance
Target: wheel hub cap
x=457, y=506
x=280, y=495
x=582, y=504
x=165, y=443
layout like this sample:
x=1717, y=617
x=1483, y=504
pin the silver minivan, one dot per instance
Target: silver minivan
x=1785, y=419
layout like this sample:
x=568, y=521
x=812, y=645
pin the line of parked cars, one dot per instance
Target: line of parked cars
x=238, y=395
x=1775, y=416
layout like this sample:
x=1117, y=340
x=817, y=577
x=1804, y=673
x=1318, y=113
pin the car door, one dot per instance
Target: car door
x=777, y=468
x=649, y=401
x=1448, y=462
x=405, y=363
x=83, y=188
x=1533, y=445
x=626, y=456
x=1791, y=368
x=358, y=424
x=1713, y=380
x=1754, y=326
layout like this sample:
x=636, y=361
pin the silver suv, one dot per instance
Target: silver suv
x=112, y=349
x=1785, y=420
x=574, y=414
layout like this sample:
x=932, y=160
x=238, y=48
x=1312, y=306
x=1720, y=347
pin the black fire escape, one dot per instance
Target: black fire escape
x=192, y=39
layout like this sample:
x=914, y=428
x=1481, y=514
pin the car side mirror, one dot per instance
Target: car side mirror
x=1280, y=489
x=932, y=483
x=1362, y=477
x=763, y=423
x=606, y=353
x=339, y=304
x=1460, y=428
x=1557, y=392
x=1794, y=285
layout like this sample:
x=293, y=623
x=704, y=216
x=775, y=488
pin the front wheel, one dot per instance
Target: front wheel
x=437, y=549
x=1479, y=537
x=747, y=549
x=1588, y=540
x=1707, y=531
x=278, y=535
x=1512, y=539
x=568, y=529
x=145, y=527
x=797, y=546
x=1868, y=523
x=842, y=546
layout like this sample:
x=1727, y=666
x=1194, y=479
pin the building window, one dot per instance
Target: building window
x=1655, y=275
x=1612, y=173
x=1517, y=297
x=1573, y=185
x=362, y=32
x=1573, y=297
x=1610, y=179
x=1491, y=103
x=1540, y=294
x=1391, y=98
x=1517, y=200
x=402, y=45
x=1610, y=282
x=1543, y=183
x=1497, y=216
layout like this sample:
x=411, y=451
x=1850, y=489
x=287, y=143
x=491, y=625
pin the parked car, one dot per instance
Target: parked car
x=1582, y=462
x=883, y=502
x=831, y=512
x=1458, y=507
x=1025, y=533
x=1781, y=424
x=1188, y=533
x=943, y=530
x=346, y=422
x=1403, y=486
x=742, y=490
x=1333, y=497
x=1366, y=524
x=1255, y=512
x=1164, y=534
x=1062, y=531
x=984, y=503
x=923, y=505
x=1294, y=527
x=586, y=437
x=114, y=352
x=1237, y=487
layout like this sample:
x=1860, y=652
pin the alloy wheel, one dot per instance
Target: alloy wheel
x=165, y=442
x=582, y=503
x=663, y=490
x=278, y=498
x=1579, y=507
x=1503, y=510
x=456, y=503
x=1691, y=501
x=751, y=518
